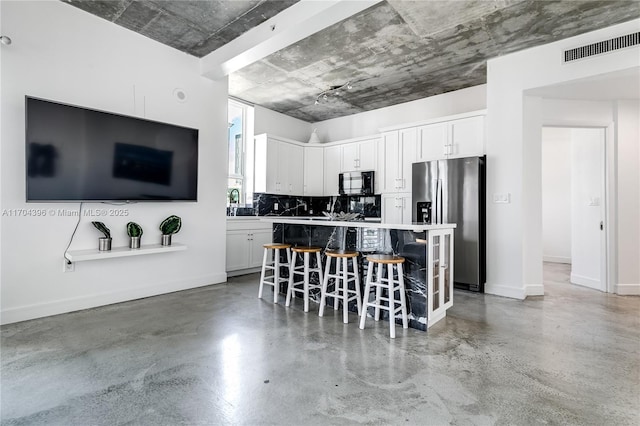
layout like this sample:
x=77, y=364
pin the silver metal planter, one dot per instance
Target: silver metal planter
x=134, y=242
x=104, y=244
x=166, y=239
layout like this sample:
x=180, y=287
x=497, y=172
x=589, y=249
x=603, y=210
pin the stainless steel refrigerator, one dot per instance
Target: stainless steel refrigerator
x=453, y=191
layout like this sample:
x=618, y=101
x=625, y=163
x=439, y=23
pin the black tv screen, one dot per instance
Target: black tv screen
x=79, y=154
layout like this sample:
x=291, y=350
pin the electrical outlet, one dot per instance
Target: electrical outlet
x=68, y=266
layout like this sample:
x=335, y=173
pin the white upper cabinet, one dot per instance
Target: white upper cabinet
x=332, y=159
x=398, y=154
x=396, y=208
x=313, y=171
x=279, y=166
x=359, y=155
x=467, y=137
x=432, y=141
x=291, y=162
x=451, y=139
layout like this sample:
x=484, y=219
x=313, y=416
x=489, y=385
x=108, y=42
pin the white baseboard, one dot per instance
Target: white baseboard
x=628, y=289
x=243, y=272
x=505, y=291
x=23, y=313
x=584, y=281
x=534, y=290
x=556, y=259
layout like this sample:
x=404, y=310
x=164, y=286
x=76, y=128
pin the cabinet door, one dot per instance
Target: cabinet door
x=390, y=162
x=350, y=157
x=368, y=155
x=407, y=207
x=391, y=208
x=272, y=178
x=332, y=157
x=407, y=154
x=291, y=165
x=467, y=137
x=257, y=238
x=432, y=142
x=237, y=250
x=313, y=171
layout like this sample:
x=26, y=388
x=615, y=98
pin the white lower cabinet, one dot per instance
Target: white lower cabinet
x=396, y=208
x=245, y=246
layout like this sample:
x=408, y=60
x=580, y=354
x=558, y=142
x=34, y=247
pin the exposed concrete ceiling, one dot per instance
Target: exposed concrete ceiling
x=393, y=52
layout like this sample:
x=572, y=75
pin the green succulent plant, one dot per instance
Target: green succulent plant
x=134, y=230
x=171, y=225
x=102, y=228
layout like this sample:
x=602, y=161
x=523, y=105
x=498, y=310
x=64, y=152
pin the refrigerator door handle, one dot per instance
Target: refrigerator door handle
x=438, y=203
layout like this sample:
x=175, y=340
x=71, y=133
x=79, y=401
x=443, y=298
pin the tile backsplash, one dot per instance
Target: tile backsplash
x=283, y=205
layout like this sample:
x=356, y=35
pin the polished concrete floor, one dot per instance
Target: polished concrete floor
x=218, y=355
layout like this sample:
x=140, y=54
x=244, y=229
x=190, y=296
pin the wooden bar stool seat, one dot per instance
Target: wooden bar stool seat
x=340, y=291
x=271, y=262
x=305, y=270
x=389, y=283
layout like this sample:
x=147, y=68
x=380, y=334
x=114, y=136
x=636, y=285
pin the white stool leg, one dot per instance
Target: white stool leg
x=336, y=284
x=378, y=281
x=392, y=302
x=403, y=301
x=306, y=282
x=345, y=291
x=325, y=284
x=292, y=268
x=354, y=264
x=367, y=290
x=319, y=265
x=262, y=274
x=276, y=274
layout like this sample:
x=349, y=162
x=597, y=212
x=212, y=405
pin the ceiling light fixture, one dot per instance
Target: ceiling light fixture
x=333, y=90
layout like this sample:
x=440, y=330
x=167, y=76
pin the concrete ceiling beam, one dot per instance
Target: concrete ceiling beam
x=290, y=26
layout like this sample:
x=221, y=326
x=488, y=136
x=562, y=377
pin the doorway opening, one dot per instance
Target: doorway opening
x=574, y=203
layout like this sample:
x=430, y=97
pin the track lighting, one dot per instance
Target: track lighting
x=333, y=90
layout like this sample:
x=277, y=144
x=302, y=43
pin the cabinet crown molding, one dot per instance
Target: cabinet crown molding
x=434, y=120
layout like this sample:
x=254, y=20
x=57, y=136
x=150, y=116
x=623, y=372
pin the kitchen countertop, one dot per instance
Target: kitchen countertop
x=320, y=221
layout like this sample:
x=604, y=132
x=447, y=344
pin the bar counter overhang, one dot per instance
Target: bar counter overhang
x=427, y=249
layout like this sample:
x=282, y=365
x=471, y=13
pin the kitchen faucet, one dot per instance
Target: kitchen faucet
x=231, y=195
x=235, y=209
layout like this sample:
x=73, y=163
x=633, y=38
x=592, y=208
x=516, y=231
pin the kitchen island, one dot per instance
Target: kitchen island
x=428, y=250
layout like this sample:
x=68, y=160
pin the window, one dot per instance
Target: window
x=239, y=138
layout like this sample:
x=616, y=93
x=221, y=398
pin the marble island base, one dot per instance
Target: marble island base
x=427, y=249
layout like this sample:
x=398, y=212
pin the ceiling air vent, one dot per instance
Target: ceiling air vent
x=610, y=45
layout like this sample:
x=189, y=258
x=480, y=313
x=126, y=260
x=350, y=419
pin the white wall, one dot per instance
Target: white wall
x=587, y=176
x=556, y=194
x=62, y=53
x=514, y=121
x=368, y=123
x=276, y=124
x=628, y=136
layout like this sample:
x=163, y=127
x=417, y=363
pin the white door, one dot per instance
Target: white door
x=587, y=208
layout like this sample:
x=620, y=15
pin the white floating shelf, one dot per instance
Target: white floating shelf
x=95, y=254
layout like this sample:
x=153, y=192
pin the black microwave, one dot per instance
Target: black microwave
x=356, y=183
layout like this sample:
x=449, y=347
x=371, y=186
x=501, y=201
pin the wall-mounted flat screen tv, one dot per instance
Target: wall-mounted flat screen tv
x=80, y=154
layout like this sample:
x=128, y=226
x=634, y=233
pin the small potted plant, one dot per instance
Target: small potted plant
x=135, y=233
x=104, y=243
x=168, y=227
